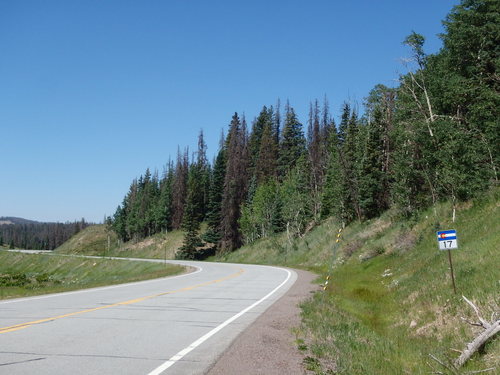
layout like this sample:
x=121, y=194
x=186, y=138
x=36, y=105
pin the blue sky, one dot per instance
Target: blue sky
x=94, y=92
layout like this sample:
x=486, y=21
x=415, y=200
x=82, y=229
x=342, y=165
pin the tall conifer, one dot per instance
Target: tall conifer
x=235, y=184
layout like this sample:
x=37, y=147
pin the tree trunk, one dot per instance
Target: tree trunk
x=477, y=343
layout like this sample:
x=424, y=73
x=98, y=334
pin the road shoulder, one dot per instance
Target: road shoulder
x=268, y=345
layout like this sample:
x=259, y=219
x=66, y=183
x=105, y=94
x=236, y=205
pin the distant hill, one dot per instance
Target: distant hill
x=8, y=220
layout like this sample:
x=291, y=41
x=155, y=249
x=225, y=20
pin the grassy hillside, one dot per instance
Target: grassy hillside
x=94, y=241
x=389, y=302
x=31, y=274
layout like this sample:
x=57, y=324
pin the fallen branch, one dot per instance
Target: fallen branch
x=490, y=330
x=483, y=323
x=449, y=367
x=481, y=371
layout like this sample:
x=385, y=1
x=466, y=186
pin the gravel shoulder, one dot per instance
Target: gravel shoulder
x=268, y=345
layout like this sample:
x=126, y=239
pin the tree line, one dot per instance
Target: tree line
x=39, y=236
x=435, y=136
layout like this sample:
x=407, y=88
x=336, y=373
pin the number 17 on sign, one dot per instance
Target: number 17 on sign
x=447, y=239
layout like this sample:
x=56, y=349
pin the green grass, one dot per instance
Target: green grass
x=389, y=302
x=93, y=240
x=32, y=274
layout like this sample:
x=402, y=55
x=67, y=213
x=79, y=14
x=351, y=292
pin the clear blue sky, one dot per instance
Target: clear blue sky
x=93, y=92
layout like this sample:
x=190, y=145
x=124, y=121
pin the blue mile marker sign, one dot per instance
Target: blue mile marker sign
x=447, y=239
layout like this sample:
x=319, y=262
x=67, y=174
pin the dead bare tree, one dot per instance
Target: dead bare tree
x=490, y=330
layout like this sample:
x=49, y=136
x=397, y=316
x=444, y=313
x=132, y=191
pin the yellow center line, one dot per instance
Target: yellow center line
x=20, y=326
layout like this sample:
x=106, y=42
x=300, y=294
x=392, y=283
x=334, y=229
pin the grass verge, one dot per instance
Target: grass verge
x=23, y=275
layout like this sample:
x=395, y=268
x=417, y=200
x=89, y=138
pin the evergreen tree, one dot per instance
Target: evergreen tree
x=204, y=167
x=316, y=159
x=344, y=122
x=333, y=192
x=132, y=213
x=351, y=155
x=372, y=190
x=213, y=233
x=163, y=213
x=235, y=184
x=120, y=222
x=466, y=71
x=192, y=217
x=267, y=156
x=292, y=145
x=179, y=188
x=265, y=120
x=376, y=169
x=277, y=121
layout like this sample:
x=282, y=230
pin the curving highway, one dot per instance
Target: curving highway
x=176, y=325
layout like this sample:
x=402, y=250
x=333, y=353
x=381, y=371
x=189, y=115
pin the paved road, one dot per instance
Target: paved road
x=177, y=325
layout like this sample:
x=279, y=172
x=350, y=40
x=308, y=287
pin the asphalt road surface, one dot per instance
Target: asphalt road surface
x=177, y=325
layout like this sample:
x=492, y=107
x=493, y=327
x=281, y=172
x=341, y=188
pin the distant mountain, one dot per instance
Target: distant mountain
x=6, y=220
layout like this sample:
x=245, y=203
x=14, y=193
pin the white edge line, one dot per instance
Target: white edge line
x=160, y=369
x=88, y=290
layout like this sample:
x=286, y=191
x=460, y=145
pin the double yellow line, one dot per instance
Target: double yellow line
x=20, y=326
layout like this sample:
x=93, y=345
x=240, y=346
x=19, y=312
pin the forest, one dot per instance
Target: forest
x=27, y=234
x=435, y=136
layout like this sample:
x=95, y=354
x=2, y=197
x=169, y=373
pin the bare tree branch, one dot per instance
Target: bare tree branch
x=490, y=330
x=484, y=323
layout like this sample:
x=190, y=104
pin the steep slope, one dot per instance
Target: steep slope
x=389, y=302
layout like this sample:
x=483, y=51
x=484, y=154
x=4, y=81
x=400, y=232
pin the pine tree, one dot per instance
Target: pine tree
x=191, y=226
x=277, y=121
x=235, y=184
x=163, y=212
x=120, y=222
x=180, y=188
x=344, y=122
x=371, y=183
x=292, y=145
x=333, y=191
x=132, y=214
x=316, y=159
x=264, y=120
x=351, y=154
x=213, y=233
x=376, y=169
x=204, y=176
x=266, y=163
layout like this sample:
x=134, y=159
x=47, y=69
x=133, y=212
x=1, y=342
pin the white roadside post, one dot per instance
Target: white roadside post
x=447, y=240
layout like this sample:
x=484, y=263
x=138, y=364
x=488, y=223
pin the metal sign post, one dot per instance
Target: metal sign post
x=447, y=240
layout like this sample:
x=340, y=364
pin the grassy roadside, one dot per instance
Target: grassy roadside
x=97, y=240
x=23, y=275
x=389, y=303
